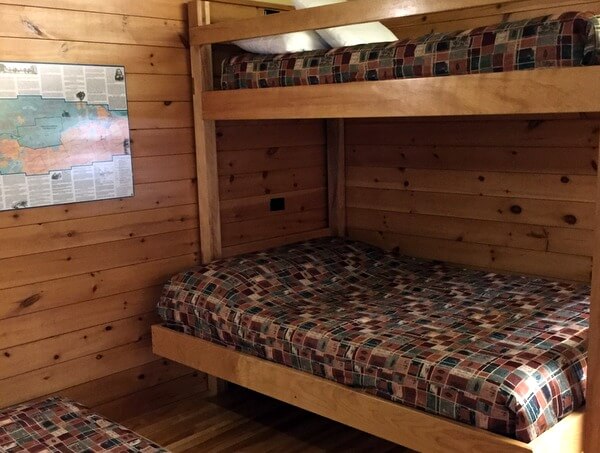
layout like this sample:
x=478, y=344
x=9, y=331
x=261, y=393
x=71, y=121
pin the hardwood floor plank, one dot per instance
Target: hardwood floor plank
x=243, y=421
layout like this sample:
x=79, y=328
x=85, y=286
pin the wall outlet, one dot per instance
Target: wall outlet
x=277, y=204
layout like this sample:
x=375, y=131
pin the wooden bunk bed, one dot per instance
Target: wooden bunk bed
x=562, y=91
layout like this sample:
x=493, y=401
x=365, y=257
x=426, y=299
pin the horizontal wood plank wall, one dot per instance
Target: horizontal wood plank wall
x=514, y=195
x=78, y=283
x=259, y=161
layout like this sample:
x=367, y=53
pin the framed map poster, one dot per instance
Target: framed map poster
x=64, y=134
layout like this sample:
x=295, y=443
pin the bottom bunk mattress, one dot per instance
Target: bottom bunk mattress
x=62, y=425
x=500, y=352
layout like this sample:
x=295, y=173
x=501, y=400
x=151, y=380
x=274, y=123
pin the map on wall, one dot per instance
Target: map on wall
x=64, y=134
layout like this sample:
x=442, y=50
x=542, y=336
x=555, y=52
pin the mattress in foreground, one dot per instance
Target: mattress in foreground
x=503, y=353
x=567, y=40
x=61, y=425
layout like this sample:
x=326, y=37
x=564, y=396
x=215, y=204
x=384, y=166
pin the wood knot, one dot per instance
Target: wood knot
x=516, y=209
x=538, y=235
x=30, y=300
x=534, y=124
x=32, y=27
x=570, y=219
x=565, y=180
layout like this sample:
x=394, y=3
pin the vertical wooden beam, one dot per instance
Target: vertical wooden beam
x=206, y=155
x=336, y=176
x=592, y=406
x=206, y=145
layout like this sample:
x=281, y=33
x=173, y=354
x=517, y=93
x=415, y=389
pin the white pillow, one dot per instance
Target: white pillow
x=290, y=42
x=349, y=35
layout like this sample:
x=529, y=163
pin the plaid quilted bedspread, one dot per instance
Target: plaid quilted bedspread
x=63, y=426
x=504, y=353
x=571, y=39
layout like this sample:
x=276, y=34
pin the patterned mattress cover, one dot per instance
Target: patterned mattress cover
x=61, y=425
x=504, y=353
x=570, y=39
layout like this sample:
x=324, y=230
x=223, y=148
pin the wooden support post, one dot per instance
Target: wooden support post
x=336, y=176
x=592, y=406
x=206, y=145
x=206, y=155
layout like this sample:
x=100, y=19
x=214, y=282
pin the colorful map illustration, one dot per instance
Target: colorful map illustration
x=40, y=135
x=64, y=134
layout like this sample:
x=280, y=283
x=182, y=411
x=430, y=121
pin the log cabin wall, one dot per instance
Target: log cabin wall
x=513, y=195
x=78, y=283
x=260, y=163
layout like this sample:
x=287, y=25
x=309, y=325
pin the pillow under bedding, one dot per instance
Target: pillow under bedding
x=301, y=41
x=349, y=35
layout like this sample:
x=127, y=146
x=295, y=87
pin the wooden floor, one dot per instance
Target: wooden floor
x=244, y=421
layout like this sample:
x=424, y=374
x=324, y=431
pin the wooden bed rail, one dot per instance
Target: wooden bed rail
x=397, y=423
x=339, y=14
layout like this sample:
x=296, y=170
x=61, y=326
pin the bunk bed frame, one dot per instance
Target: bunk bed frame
x=549, y=91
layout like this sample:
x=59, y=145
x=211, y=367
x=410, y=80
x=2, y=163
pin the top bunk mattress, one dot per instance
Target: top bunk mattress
x=567, y=40
x=504, y=353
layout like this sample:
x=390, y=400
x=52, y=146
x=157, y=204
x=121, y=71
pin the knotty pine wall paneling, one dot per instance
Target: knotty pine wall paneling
x=78, y=283
x=263, y=160
x=512, y=195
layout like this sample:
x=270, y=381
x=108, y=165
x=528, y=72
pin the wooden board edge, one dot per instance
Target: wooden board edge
x=539, y=91
x=592, y=422
x=206, y=144
x=334, y=15
x=396, y=423
x=336, y=176
x=564, y=437
x=255, y=4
